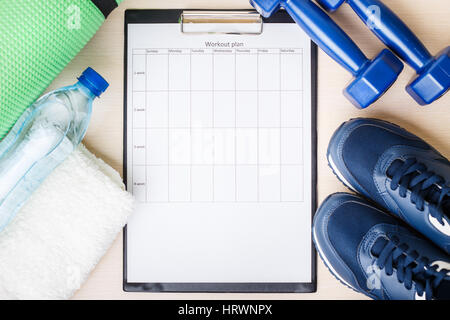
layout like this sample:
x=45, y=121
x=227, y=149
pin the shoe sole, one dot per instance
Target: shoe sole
x=340, y=177
x=332, y=163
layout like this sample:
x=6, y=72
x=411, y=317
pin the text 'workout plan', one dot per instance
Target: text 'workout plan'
x=219, y=156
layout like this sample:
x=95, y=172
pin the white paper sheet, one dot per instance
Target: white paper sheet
x=219, y=156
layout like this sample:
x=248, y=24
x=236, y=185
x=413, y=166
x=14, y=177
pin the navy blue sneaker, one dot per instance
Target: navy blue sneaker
x=376, y=254
x=397, y=170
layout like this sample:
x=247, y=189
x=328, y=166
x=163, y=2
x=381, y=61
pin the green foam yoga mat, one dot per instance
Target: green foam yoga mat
x=38, y=38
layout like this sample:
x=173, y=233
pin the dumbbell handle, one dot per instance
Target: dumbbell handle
x=393, y=32
x=326, y=34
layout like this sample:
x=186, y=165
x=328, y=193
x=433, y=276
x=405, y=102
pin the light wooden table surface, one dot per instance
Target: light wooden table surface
x=428, y=18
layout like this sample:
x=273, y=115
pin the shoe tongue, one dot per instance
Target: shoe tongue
x=378, y=246
x=443, y=291
x=394, y=167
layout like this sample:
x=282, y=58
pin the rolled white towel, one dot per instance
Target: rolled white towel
x=60, y=234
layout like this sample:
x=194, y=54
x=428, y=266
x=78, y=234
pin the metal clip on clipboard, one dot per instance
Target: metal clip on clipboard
x=221, y=22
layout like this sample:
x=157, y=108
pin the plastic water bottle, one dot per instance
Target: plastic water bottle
x=43, y=137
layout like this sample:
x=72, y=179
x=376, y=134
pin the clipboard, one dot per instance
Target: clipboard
x=192, y=21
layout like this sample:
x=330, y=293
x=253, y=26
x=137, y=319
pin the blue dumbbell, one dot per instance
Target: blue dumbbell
x=372, y=77
x=433, y=79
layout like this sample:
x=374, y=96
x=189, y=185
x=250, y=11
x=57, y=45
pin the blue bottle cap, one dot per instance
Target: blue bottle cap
x=93, y=81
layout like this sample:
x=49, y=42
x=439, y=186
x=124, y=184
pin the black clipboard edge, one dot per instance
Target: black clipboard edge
x=173, y=16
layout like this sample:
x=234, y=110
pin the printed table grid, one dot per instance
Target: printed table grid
x=217, y=125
